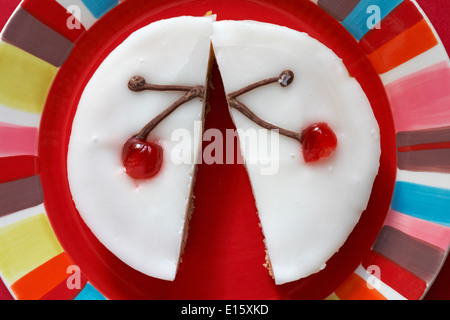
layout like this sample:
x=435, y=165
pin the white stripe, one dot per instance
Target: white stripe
x=431, y=179
x=86, y=17
x=21, y=215
x=422, y=61
x=20, y=118
x=374, y=283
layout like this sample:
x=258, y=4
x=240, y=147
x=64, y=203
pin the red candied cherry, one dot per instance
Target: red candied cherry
x=142, y=159
x=318, y=141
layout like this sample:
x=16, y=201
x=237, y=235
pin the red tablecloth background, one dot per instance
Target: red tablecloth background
x=438, y=11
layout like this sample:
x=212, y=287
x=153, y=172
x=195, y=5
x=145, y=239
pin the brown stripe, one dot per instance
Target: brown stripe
x=339, y=9
x=31, y=35
x=437, y=160
x=411, y=138
x=416, y=256
x=20, y=194
x=424, y=150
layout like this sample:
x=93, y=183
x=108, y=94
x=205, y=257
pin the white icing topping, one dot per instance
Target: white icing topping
x=141, y=222
x=307, y=211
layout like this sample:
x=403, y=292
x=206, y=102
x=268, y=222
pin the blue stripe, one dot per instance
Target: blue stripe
x=357, y=21
x=89, y=293
x=423, y=202
x=99, y=7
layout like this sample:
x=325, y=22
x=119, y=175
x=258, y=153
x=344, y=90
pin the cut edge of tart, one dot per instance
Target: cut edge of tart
x=206, y=108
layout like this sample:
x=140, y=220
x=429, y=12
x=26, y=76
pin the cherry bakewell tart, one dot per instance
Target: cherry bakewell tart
x=283, y=85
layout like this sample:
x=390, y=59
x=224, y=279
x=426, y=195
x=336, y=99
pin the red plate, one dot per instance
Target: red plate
x=225, y=253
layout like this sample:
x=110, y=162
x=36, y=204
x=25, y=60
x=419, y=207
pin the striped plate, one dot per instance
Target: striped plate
x=405, y=51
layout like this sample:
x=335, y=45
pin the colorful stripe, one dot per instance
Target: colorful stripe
x=18, y=167
x=24, y=79
x=4, y=292
x=98, y=8
x=418, y=257
x=41, y=280
x=338, y=9
x=423, y=202
x=25, y=245
x=26, y=32
x=18, y=140
x=396, y=277
x=332, y=296
x=424, y=150
x=53, y=15
x=357, y=21
x=79, y=12
x=19, y=118
x=64, y=292
x=372, y=277
x=403, y=47
x=36, y=41
x=20, y=194
x=356, y=288
x=398, y=21
x=421, y=100
x=432, y=179
x=421, y=147
x=90, y=293
x=432, y=233
x=432, y=160
x=425, y=60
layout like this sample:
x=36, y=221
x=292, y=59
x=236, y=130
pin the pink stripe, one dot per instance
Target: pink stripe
x=435, y=234
x=17, y=140
x=422, y=99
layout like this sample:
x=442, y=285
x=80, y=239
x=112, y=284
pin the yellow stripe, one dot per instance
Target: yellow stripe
x=25, y=245
x=24, y=79
x=332, y=296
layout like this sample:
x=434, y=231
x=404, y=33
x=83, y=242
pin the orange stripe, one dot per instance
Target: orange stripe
x=404, y=47
x=355, y=288
x=43, y=279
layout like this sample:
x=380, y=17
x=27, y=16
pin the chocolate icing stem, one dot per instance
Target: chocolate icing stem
x=138, y=84
x=253, y=117
x=284, y=79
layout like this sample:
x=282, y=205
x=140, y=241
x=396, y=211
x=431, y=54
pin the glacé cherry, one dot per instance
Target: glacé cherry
x=142, y=159
x=318, y=141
